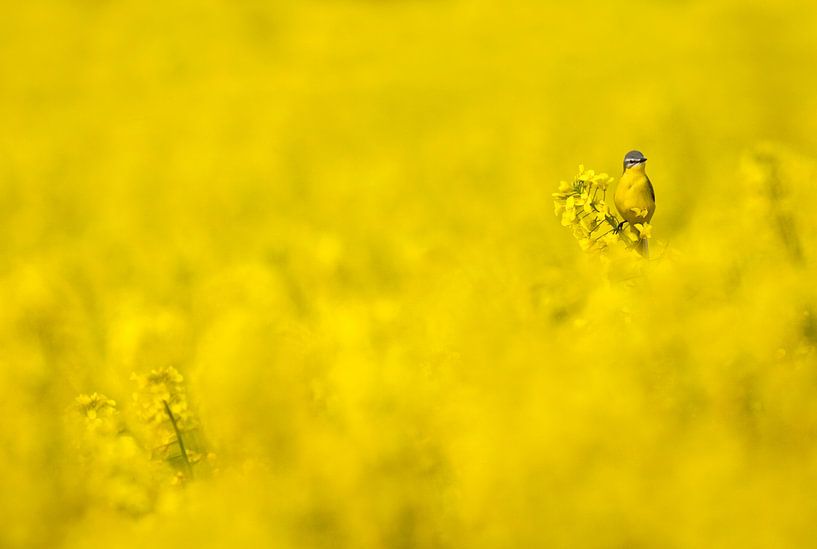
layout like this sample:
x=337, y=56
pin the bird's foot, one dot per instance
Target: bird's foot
x=618, y=229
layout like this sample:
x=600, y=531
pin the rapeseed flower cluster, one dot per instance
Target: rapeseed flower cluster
x=163, y=409
x=583, y=208
x=113, y=468
x=130, y=459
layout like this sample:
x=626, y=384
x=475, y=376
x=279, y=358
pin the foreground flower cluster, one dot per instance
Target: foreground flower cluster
x=583, y=208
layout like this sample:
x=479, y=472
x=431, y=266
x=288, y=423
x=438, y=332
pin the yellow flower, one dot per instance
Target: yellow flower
x=639, y=212
x=568, y=217
x=596, y=228
x=644, y=230
x=96, y=405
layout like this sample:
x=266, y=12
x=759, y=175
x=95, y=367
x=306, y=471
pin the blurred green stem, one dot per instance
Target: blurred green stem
x=188, y=466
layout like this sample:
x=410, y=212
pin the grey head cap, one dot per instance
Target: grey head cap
x=632, y=158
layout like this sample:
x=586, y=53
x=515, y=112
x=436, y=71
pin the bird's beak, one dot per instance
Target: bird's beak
x=642, y=160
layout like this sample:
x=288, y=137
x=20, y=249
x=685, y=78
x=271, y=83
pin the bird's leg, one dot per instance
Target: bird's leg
x=618, y=229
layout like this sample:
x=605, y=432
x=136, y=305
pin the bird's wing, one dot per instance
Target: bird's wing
x=652, y=191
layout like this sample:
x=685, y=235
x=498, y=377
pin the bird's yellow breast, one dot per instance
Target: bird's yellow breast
x=634, y=198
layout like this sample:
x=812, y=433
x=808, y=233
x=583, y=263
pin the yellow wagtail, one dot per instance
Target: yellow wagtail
x=635, y=197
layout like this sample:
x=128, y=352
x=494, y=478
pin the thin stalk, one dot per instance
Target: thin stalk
x=603, y=235
x=188, y=466
x=594, y=229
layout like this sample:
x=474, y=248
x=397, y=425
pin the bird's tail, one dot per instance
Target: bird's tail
x=644, y=248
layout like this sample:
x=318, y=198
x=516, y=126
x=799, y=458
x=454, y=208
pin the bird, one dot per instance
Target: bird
x=635, y=196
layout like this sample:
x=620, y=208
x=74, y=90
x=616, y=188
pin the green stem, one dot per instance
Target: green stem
x=189, y=467
x=594, y=229
x=603, y=235
x=583, y=214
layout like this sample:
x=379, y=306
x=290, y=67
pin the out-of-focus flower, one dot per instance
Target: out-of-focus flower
x=171, y=428
x=117, y=472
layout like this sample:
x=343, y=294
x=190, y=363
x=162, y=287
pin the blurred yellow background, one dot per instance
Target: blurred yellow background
x=334, y=219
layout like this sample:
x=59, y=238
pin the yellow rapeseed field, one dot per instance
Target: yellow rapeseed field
x=287, y=274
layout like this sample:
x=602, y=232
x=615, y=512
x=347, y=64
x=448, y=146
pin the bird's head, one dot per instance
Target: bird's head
x=633, y=158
